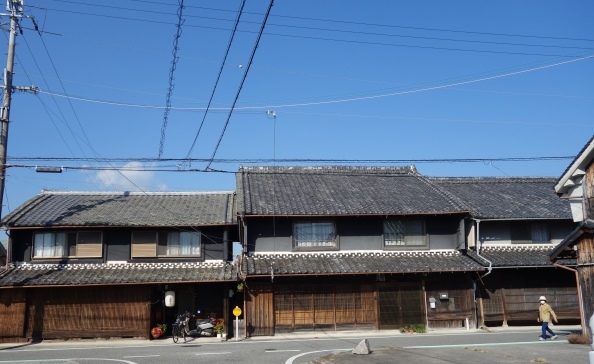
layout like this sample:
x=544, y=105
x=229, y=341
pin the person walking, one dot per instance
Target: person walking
x=544, y=315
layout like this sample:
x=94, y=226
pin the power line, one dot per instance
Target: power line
x=46, y=108
x=367, y=42
x=247, y=69
x=264, y=107
x=178, y=33
x=239, y=12
x=335, y=21
x=294, y=160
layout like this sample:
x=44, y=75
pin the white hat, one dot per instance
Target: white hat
x=542, y=298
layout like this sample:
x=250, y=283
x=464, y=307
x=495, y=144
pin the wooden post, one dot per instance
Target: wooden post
x=482, y=311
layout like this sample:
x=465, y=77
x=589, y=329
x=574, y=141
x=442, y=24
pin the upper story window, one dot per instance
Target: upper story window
x=523, y=232
x=309, y=234
x=81, y=244
x=166, y=244
x=404, y=233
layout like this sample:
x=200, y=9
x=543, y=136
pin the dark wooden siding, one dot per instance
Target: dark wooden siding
x=300, y=307
x=259, y=307
x=12, y=314
x=453, y=311
x=511, y=296
x=88, y=312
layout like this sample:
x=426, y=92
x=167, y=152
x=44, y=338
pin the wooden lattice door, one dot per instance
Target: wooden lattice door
x=399, y=306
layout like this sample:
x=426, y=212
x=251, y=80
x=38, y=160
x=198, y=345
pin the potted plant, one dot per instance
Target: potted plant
x=158, y=330
x=219, y=327
x=239, y=286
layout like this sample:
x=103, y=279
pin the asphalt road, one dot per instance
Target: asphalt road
x=387, y=347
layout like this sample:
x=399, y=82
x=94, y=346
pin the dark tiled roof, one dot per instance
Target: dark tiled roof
x=358, y=263
x=507, y=197
x=124, y=209
x=525, y=256
x=339, y=190
x=103, y=274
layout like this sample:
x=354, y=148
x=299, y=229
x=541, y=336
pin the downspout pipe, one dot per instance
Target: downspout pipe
x=479, y=248
x=579, y=290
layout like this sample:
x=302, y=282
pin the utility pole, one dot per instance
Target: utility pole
x=15, y=9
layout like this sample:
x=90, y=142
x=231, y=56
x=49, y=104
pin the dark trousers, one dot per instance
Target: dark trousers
x=545, y=329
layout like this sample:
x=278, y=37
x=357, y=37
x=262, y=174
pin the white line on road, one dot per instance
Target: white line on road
x=290, y=360
x=488, y=344
x=278, y=351
x=139, y=356
x=217, y=353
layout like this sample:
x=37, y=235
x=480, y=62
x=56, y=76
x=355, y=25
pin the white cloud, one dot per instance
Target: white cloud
x=129, y=178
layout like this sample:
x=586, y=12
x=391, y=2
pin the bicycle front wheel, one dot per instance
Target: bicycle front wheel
x=175, y=333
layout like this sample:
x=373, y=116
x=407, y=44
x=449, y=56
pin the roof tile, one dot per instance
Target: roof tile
x=124, y=209
x=507, y=197
x=339, y=190
x=106, y=273
x=350, y=263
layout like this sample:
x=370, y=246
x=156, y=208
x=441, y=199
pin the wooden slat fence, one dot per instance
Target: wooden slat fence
x=323, y=307
x=88, y=312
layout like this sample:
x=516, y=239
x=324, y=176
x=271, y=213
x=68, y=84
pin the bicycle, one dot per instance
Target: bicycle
x=179, y=328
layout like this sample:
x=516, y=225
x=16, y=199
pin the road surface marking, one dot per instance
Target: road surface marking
x=290, y=360
x=217, y=353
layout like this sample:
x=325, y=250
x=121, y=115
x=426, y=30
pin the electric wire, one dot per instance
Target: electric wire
x=335, y=40
x=309, y=19
x=85, y=138
x=334, y=21
x=430, y=88
x=110, y=167
x=247, y=69
x=178, y=34
x=294, y=160
x=239, y=12
x=46, y=108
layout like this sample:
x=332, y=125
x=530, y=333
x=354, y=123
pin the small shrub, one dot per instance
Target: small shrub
x=578, y=339
x=420, y=328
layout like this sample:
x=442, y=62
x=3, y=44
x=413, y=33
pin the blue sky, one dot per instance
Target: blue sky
x=354, y=82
